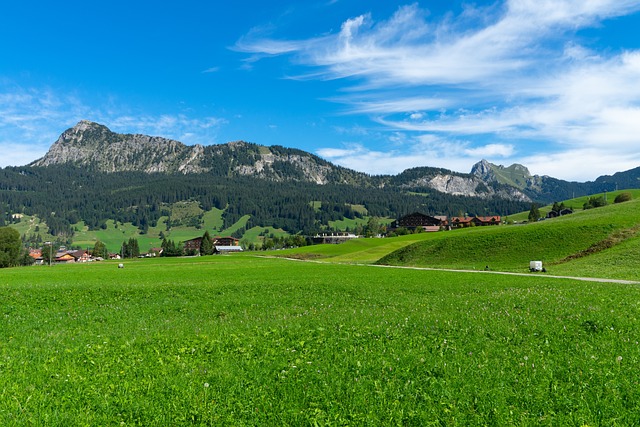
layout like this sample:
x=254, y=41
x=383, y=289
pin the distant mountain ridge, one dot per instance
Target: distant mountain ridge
x=93, y=146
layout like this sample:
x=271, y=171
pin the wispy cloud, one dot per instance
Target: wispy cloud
x=510, y=79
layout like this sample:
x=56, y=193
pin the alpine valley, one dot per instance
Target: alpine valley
x=94, y=179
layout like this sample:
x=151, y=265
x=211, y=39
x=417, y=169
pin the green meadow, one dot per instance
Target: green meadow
x=251, y=341
x=333, y=338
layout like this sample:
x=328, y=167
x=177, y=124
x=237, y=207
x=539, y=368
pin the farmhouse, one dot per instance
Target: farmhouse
x=475, y=221
x=226, y=241
x=193, y=245
x=81, y=256
x=419, y=220
x=65, y=258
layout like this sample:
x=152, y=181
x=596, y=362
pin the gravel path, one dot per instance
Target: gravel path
x=585, y=279
x=506, y=273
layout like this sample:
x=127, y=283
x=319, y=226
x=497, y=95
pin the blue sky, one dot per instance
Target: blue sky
x=374, y=86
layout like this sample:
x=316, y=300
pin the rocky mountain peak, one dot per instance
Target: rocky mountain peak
x=484, y=170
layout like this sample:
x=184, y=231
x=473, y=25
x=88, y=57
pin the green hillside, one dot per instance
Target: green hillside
x=592, y=242
x=574, y=203
x=602, y=242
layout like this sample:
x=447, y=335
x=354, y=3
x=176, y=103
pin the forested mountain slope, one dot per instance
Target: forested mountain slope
x=92, y=174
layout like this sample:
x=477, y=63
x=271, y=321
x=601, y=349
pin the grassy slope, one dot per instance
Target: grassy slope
x=113, y=236
x=510, y=248
x=366, y=251
x=575, y=204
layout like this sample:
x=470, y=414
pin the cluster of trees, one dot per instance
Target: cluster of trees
x=130, y=248
x=100, y=250
x=171, y=249
x=282, y=242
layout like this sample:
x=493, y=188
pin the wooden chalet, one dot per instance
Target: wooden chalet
x=193, y=244
x=226, y=241
x=65, y=258
x=419, y=220
x=474, y=221
x=81, y=256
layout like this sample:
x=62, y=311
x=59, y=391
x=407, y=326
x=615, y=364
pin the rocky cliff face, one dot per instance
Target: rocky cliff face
x=467, y=185
x=93, y=145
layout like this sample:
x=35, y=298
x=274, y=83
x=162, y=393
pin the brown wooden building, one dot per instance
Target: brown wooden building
x=420, y=220
x=474, y=221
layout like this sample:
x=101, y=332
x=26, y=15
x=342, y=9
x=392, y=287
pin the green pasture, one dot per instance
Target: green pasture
x=242, y=340
x=114, y=234
x=576, y=203
x=362, y=250
x=601, y=242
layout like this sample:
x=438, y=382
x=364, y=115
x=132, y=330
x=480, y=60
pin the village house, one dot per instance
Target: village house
x=226, y=241
x=36, y=254
x=193, y=245
x=417, y=220
x=474, y=221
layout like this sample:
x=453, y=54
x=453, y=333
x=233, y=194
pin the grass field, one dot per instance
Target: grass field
x=602, y=242
x=250, y=340
x=240, y=340
x=576, y=203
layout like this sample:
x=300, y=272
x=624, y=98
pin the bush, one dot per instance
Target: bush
x=623, y=197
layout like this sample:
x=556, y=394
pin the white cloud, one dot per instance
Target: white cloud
x=514, y=72
x=490, y=150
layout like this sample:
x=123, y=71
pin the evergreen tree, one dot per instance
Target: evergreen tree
x=10, y=245
x=170, y=249
x=534, y=213
x=206, y=246
x=130, y=249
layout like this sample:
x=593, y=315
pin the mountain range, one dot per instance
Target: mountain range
x=93, y=175
x=93, y=146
